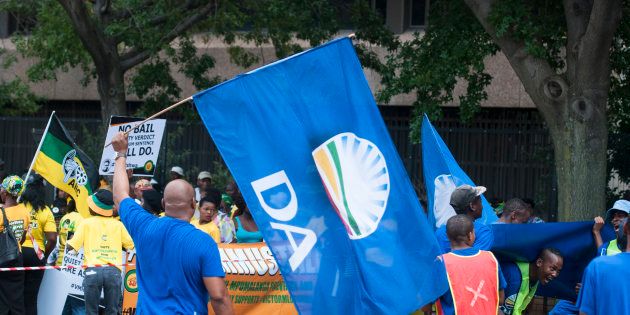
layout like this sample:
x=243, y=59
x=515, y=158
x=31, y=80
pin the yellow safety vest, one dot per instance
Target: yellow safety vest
x=525, y=293
x=612, y=248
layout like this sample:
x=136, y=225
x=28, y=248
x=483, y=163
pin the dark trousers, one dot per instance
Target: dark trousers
x=32, y=280
x=12, y=289
x=107, y=279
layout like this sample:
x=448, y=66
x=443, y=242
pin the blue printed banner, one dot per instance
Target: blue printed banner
x=309, y=150
x=574, y=240
x=442, y=175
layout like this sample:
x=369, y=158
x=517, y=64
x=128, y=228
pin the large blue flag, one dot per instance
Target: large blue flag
x=309, y=150
x=523, y=242
x=442, y=175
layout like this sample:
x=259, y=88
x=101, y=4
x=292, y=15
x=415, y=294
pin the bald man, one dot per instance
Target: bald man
x=178, y=266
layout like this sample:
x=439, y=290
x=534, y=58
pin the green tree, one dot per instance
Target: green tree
x=109, y=38
x=560, y=51
x=15, y=96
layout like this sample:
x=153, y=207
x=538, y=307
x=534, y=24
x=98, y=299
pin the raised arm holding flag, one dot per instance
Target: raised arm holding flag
x=305, y=141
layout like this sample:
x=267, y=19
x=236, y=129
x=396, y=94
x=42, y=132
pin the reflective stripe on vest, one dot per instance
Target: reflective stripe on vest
x=612, y=248
x=525, y=293
x=474, y=282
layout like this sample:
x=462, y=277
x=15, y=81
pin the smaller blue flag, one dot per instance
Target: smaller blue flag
x=574, y=240
x=442, y=175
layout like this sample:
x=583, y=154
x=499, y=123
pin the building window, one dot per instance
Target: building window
x=344, y=11
x=380, y=7
x=418, y=12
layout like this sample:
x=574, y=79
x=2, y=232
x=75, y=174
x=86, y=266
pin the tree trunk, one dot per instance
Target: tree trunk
x=580, y=158
x=111, y=89
x=572, y=104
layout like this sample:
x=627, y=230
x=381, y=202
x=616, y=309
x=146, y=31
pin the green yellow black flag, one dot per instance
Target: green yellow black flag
x=60, y=161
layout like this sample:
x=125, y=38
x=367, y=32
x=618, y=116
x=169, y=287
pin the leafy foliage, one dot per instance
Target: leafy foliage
x=15, y=95
x=431, y=65
x=619, y=100
x=52, y=41
x=540, y=24
x=17, y=99
x=150, y=38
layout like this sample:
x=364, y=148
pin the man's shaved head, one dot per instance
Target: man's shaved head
x=179, y=199
x=549, y=252
x=458, y=228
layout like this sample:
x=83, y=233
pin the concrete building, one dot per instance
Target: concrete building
x=510, y=138
x=403, y=17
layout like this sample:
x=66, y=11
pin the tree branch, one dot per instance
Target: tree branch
x=136, y=56
x=534, y=73
x=594, y=51
x=88, y=33
x=577, y=13
x=126, y=13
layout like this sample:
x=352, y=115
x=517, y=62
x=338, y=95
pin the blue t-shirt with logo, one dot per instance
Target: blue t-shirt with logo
x=597, y=295
x=483, y=237
x=172, y=258
x=447, y=299
x=513, y=279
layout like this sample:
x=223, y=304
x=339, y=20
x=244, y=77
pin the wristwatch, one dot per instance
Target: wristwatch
x=120, y=154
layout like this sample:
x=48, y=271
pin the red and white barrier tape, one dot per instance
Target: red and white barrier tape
x=106, y=265
x=61, y=267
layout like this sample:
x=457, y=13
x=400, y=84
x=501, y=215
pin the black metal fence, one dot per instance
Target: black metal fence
x=506, y=150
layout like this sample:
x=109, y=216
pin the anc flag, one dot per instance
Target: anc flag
x=60, y=161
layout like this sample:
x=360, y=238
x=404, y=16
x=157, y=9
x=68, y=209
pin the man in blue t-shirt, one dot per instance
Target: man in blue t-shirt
x=598, y=295
x=466, y=200
x=178, y=266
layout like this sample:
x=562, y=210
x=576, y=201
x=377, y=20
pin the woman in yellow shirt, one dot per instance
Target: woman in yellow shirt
x=40, y=239
x=207, y=212
x=12, y=282
x=67, y=226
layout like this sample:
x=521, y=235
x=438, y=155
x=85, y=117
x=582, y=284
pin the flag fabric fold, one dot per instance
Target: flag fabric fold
x=60, y=161
x=442, y=175
x=314, y=161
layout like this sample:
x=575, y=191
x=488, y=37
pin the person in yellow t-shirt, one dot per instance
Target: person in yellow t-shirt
x=207, y=212
x=102, y=238
x=12, y=282
x=67, y=226
x=40, y=239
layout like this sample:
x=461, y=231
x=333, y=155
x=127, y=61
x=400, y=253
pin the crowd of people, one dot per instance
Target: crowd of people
x=47, y=230
x=137, y=214
x=479, y=284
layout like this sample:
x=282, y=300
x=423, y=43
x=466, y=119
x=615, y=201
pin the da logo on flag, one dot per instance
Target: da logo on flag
x=354, y=173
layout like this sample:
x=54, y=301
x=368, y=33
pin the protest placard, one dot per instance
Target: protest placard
x=254, y=281
x=252, y=277
x=130, y=285
x=144, y=145
x=72, y=262
x=63, y=284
